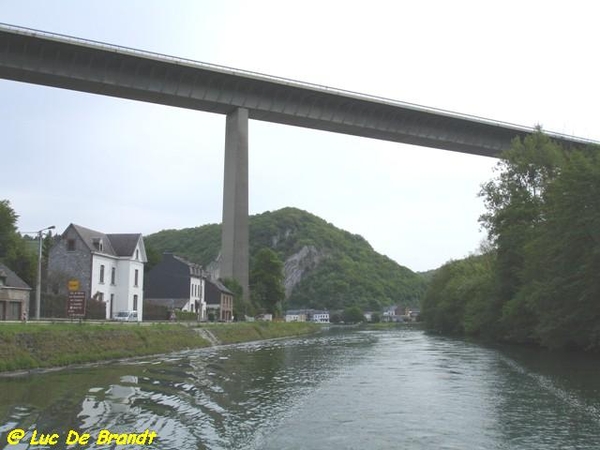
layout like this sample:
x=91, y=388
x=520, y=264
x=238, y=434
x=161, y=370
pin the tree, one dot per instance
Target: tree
x=515, y=205
x=458, y=298
x=153, y=256
x=8, y=220
x=266, y=281
x=353, y=314
x=241, y=308
x=564, y=259
x=14, y=251
x=335, y=317
x=538, y=283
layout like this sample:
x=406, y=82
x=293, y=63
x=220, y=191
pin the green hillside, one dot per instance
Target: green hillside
x=339, y=268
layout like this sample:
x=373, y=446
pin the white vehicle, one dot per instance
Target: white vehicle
x=126, y=316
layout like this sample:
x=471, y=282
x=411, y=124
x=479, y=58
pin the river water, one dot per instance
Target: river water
x=391, y=389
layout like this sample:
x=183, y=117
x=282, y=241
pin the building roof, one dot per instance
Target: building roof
x=168, y=302
x=195, y=269
x=119, y=244
x=219, y=286
x=296, y=312
x=12, y=279
x=124, y=244
x=88, y=236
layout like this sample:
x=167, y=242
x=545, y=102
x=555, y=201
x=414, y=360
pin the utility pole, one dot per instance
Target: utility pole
x=38, y=287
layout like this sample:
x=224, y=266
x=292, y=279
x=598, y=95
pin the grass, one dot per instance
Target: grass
x=32, y=346
x=253, y=331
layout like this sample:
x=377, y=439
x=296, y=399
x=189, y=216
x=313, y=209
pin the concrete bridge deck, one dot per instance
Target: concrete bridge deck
x=65, y=62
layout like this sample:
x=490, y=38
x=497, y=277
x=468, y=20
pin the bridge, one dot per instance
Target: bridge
x=38, y=57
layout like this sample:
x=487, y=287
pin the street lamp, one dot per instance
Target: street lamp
x=38, y=287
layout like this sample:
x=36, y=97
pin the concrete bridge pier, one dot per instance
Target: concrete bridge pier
x=235, y=236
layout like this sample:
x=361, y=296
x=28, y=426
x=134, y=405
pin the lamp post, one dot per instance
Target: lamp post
x=38, y=287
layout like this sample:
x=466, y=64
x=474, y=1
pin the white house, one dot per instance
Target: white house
x=107, y=267
x=303, y=315
x=319, y=316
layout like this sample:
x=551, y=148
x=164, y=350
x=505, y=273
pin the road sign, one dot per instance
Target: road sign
x=76, y=303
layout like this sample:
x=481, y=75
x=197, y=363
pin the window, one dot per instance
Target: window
x=98, y=245
x=14, y=311
x=70, y=245
x=137, y=254
x=102, y=274
x=135, y=301
x=113, y=273
x=136, y=278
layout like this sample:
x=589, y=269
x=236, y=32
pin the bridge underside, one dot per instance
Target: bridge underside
x=40, y=58
x=101, y=69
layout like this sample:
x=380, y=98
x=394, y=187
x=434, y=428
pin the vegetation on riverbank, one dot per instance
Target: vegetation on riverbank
x=537, y=282
x=31, y=346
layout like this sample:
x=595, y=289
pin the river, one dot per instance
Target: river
x=389, y=389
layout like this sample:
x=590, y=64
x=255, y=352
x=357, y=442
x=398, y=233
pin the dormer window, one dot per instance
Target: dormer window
x=137, y=254
x=2, y=278
x=98, y=245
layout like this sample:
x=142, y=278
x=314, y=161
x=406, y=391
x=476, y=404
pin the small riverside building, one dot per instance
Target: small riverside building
x=307, y=315
x=14, y=295
x=295, y=315
x=219, y=300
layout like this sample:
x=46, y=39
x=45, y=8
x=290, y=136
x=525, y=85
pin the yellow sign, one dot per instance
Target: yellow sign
x=73, y=285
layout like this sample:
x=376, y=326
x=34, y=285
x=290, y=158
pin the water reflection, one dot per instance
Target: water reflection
x=549, y=400
x=376, y=390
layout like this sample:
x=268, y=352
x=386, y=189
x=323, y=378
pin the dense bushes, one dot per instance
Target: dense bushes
x=538, y=283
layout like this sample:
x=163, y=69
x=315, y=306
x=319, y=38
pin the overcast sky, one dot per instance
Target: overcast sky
x=124, y=166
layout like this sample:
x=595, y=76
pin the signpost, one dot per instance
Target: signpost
x=76, y=304
x=73, y=285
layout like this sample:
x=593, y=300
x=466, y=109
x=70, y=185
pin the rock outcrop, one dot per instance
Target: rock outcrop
x=297, y=265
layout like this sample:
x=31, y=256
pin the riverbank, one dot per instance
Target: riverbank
x=38, y=346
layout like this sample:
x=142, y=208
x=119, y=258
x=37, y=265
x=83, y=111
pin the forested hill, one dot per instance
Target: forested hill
x=325, y=267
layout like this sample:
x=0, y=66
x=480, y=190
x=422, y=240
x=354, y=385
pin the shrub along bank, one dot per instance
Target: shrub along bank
x=31, y=346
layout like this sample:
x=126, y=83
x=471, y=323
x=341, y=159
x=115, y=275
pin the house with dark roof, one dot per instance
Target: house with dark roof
x=14, y=295
x=219, y=300
x=107, y=267
x=176, y=284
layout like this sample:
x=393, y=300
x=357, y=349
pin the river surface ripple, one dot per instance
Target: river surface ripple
x=390, y=389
